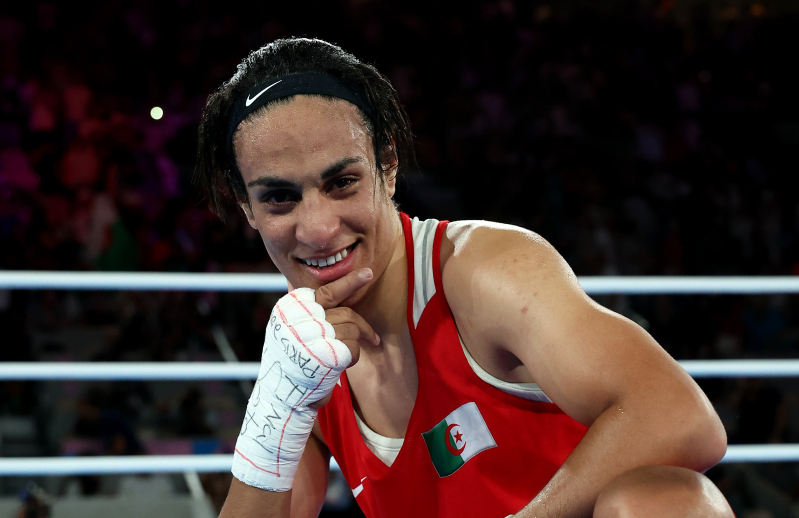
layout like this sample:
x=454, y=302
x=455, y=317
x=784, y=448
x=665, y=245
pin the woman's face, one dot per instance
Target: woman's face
x=315, y=198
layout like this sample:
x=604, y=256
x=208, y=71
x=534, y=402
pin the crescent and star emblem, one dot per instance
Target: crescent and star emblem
x=458, y=436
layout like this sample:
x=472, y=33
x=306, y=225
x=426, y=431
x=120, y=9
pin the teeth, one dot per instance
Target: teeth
x=333, y=259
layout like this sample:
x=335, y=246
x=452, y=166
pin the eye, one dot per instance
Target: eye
x=343, y=182
x=278, y=197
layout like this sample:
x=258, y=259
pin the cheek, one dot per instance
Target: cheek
x=277, y=239
x=367, y=210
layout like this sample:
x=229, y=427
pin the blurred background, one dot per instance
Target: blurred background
x=638, y=137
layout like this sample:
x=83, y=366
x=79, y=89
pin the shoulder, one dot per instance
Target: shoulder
x=494, y=275
x=485, y=248
x=510, y=293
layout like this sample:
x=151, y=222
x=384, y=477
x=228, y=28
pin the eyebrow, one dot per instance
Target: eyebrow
x=331, y=170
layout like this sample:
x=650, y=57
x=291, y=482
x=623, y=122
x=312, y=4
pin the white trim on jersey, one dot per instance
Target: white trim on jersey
x=424, y=285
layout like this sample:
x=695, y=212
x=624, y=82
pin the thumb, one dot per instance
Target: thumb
x=331, y=295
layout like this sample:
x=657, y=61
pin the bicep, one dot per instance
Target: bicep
x=587, y=358
x=592, y=362
x=512, y=292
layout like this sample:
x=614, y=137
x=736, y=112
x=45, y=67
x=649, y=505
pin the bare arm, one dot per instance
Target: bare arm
x=303, y=501
x=511, y=292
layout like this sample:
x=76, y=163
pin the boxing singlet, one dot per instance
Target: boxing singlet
x=470, y=449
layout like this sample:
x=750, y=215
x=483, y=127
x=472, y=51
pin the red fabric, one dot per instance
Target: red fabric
x=533, y=438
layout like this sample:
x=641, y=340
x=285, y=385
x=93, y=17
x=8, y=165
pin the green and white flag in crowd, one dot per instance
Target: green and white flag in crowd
x=459, y=437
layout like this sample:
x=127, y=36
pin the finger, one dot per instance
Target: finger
x=355, y=350
x=341, y=316
x=332, y=294
x=349, y=332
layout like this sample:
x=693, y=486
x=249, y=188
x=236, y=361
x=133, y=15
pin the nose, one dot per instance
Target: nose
x=317, y=222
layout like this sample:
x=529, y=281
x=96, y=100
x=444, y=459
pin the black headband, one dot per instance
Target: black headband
x=287, y=86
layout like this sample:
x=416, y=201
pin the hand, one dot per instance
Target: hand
x=350, y=327
x=309, y=342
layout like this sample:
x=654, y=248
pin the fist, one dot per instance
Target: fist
x=349, y=327
x=309, y=342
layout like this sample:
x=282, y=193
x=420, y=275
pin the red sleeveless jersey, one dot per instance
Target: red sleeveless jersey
x=483, y=453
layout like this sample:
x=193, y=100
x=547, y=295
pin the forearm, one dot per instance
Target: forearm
x=624, y=437
x=245, y=501
x=304, y=500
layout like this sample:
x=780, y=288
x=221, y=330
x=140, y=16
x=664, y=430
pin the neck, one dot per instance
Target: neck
x=384, y=306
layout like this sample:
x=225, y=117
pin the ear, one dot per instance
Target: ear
x=391, y=181
x=390, y=164
x=245, y=207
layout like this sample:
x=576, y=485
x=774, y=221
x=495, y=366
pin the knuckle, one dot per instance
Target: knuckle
x=346, y=331
x=334, y=312
x=325, y=293
x=355, y=350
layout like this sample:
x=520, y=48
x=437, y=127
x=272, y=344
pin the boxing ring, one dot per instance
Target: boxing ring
x=247, y=371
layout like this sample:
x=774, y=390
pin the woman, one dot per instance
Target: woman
x=480, y=379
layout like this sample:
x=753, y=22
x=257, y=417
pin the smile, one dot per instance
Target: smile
x=330, y=261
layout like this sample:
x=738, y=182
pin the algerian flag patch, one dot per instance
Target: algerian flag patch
x=459, y=437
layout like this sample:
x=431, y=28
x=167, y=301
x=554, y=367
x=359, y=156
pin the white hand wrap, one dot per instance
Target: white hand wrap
x=300, y=364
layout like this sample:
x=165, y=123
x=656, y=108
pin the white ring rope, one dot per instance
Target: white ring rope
x=64, y=466
x=601, y=285
x=186, y=371
x=150, y=371
x=140, y=281
x=108, y=465
x=663, y=285
x=741, y=368
x=244, y=371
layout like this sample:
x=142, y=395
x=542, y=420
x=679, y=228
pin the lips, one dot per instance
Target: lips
x=324, y=272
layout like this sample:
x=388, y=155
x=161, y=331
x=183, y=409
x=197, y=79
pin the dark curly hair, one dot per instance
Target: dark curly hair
x=388, y=125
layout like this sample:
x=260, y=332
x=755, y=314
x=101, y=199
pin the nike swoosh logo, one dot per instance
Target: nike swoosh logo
x=250, y=101
x=357, y=490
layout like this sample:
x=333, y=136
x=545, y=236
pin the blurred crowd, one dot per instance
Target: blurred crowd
x=637, y=139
